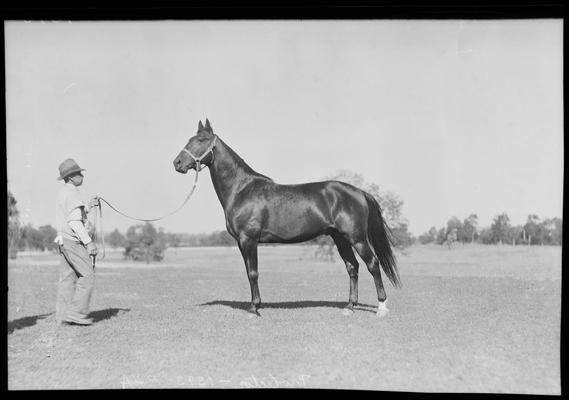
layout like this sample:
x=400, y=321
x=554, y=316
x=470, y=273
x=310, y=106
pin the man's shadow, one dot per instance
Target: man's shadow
x=97, y=316
x=107, y=313
x=245, y=305
x=25, y=322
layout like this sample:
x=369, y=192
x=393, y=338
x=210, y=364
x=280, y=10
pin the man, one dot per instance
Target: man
x=77, y=274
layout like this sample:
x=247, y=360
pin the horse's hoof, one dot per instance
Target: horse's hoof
x=382, y=313
x=347, y=312
x=253, y=313
x=382, y=310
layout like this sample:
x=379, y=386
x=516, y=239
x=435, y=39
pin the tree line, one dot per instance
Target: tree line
x=145, y=242
x=535, y=231
x=26, y=237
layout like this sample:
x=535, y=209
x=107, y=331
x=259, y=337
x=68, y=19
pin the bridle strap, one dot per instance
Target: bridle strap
x=198, y=160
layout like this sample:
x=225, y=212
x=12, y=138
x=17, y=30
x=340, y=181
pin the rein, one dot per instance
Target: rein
x=99, y=216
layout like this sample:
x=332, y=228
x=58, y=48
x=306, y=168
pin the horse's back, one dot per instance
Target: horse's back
x=296, y=213
x=325, y=195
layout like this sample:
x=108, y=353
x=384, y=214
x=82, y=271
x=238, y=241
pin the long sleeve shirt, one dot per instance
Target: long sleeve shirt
x=71, y=215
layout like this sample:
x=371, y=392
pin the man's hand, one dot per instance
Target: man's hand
x=94, y=202
x=91, y=249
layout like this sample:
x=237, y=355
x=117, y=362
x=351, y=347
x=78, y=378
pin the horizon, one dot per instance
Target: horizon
x=455, y=117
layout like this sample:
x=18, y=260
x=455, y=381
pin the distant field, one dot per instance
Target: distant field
x=478, y=319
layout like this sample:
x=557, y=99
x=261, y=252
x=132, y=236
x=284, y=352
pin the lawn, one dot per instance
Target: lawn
x=483, y=319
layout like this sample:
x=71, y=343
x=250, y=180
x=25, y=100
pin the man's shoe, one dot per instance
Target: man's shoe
x=78, y=321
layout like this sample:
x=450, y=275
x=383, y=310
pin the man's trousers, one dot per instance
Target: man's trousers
x=76, y=281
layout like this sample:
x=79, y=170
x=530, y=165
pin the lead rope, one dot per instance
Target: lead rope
x=99, y=226
x=155, y=219
x=99, y=216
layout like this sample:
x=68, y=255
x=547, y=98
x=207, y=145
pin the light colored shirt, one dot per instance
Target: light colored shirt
x=71, y=215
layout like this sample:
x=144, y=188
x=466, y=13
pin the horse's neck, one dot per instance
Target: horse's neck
x=229, y=173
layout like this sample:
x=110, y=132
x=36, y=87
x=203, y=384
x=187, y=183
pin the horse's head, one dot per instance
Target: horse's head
x=198, y=151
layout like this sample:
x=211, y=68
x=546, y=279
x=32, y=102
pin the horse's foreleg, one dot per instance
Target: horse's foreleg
x=248, y=248
x=352, y=266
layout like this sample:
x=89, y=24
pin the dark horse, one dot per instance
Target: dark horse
x=258, y=210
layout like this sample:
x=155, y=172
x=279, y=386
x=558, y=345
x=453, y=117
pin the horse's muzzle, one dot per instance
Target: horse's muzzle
x=179, y=166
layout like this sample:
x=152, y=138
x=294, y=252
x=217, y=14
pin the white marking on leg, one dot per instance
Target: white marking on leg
x=382, y=309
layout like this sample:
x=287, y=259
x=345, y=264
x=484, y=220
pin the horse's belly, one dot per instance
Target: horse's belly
x=293, y=225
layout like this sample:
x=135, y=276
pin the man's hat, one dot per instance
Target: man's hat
x=68, y=167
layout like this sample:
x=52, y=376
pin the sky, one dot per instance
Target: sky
x=454, y=116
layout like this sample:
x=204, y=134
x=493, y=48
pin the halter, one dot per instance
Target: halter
x=198, y=160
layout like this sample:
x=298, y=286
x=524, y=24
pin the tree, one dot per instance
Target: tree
x=31, y=239
x=115, y=239
x=143, y=242
x=486, y=236
x=532, y=229
x=547, y=230
x=500, y=228
x=441, y=236
x=13, y=226
x=515, y=234
x=401, y=235
x=162, y=237
x=428, y=237
x=469, y=228
x=48, y=234
x=455, y=229
x=557, y=234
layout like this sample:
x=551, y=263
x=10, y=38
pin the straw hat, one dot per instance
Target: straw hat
x=68, y=167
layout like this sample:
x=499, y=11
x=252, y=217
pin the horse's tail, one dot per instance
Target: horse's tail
x=381, y=239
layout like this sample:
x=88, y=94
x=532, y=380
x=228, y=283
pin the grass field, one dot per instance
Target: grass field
x=472, y=319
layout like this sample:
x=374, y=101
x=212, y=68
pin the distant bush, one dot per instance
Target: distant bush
x=115, y=239
x=144, y=243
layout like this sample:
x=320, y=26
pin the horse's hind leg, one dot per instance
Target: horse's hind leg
x=248, y=248
x=352, y=266
x=366, y=253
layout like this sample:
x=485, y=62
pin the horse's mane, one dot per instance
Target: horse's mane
x=242, y=164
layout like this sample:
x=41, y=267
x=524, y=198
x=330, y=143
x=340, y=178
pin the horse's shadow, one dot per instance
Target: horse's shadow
x=245, y=305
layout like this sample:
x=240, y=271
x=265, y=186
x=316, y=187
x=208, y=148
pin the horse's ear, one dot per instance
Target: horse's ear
x=207, y=125
x=200, y=126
